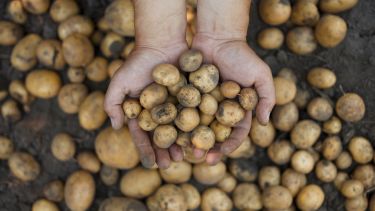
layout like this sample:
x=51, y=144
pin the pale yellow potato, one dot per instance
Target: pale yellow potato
x=322, y=78
x=63, y=147
x=49, y=53
x=24, y=166
x=54, y=191
x=245, y=150
x=187, y=119
x=120, y=17
x=121, y=203
x=16, y=12
x=166, y=74
x=75, y=24
x=344, y=160
x=305, y=133
x=305, y=13
x=10, y=112
x=217, y=94
x=128, y=49
x=269, y=176
x=332, y=126
x=208, y=104
x=192, y=196
x=44, y=205
x=228, y=183
x=331, y=148
x=206, y=78
x=174, y=89
x=109, y=175
x=43, y=83
x=96, y=70
x=112, y=44
x=311, y=197
x=23, y=56
x=140, y=182
x=190, y=60
x=93, y=104
x=19, y=92
x=326, y=171
x=164, y=136
x=301, y=40
x=36, y=7
x=280, y=152
x=287, y=73
x=71, y=96
x=230, y=89
x=114, y=66
x=303, y=161
x=320, y=109
x=177, y=172
x=243, y=170
x=215, y=199
x=270, y=38
x=78, y=50
x=153, y=95
x=63, y=9
x=276, y=197
x=262, y=135
x=132, y=108
x=285, y=90
x=248, y=98
x=203, y=137
x=330, y=31
x=336, y=6
x=88, y=161
x=164, y=113
x=229, y=113
x=274, y=12
x=221, y=131
x=340, y=179
x=208, y=174
x=11, y=33
x=167, y=197
x=294, y=181
x=361, y=150
x=351, y=188
x=189, y=96
x=145, y=121
x=357, y=203
x=365, y=174
x=79, y=190
x=350, y=107
x=6, y=147
x=247, y=196
x=285, y=117
x=76, y=74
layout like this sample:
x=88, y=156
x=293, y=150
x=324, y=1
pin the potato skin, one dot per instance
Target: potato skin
x=270, y=38
x=10, y=111
x=166, y=74
x=221, y=131
x=54, y=191
x=49, y=53
x=285, y=117
x=78, y=50
x=301, y=40
x=120, y=17
x=331, y=148
x=43, y=83
x=361, y=150
x=88, y=161
x=208, y=104
x=164, y=136
x=168, y=197
x=109, y=175
x=248, y=98
x=63, y=147
x=177, y=172
x=145, y=121
x=16, y=12
x=285, y=90
x=230, y=89
x=330, y=31
x=293, y=180
x=277, y=197
x=280, y=152
x=23, y=56
x=209, y=175
x=93, y=104
x=274, y=12
x=190, y=60
x=357, y=203
x=325, y=171
x=228, y=183
x=321, y=78
x=320, y=109
x=305, y=134
x=247, y=196
x=79, y=190
x=164, y=113
x=75, y=24
x=36, y=7
x=132, y=108
x=268, y=176
x=336, y=6
x=311, y=197
x=305, y=13
x=192, y=196
x=303, y=161
x=10, y=33
x=187, y=119
x=203, y=137
x=174, y=89
x=71, y=96
x=140, y=182
x=262, y=135
x=243, y=170
x=350, y=107
x=63, y=9
x=6, y=147
x=215, y=199
x=76, y=74
x=121, y=203
x=23, y=166
x=229, y=113
x=365, y=174
x=351, y=188
x=44, y=204
x=189, y=96
x=153, y=95
x=205, y=78
x=96, y=70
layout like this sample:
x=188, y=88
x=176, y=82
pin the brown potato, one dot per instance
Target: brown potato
x=302, y=98
x=120, y=17
x=96, y=70
x=262, y=135
x=19, y=92
x=23, y=56
x=76, y=74
x=61, y=10
x=321, y=78
x=93, y=104
x=36, y=7
x=229, y=113
x=190, y=60
x=54, y=191
x=221, y=131
x=177, y=172
x=288, y=74
x=336, y=6
x=217, y=94
x=311, y=197
x=280, y=152
x=79, y=190
x=6, y=148
x=305, y=134
x=268, y=176
x=11, y=33
x=215, y=199
x=23, y=166
x=16, y=12
x=78, y=50
x=303, y=161
x=49, y=53
x=340, y=179
x=174, y=89
x=112, y=45
x=228, y=183
x=245, y=150
x=208, y=174
x=205, y=119
x=75, y=24
x=97, y=37
x=350, y=107
x=293, y=180
x=189, y=154
x=285, y=117
x=325, y=171
x=208, y=104
x=243, y=170
x=206, y=78
x=140, y=182
x=331, y=148
x=270, y=38
x=164, y=136
x=3, y=94
x=247, y=196
x=358, y=203
x=114, y=66
x=164, y=113
x=109, y=175
x=63, y=147
x=305, y=13
x=183, y=139
x=128, y=49
x=103, y=25
x=43, y=83
x=132, y=108
x=166, y=74
x=44, y=204
x=301, y=40
x=285, y=90
x=10, y=111
x=89, y=162
x=145, y=121
x=332, y=126
x=361, y=150
x=320, y=109
x=275, y=12
x=189, y=96
x=153, y=95
x=230, y=89
x=330, y=31
x=121, y=203
x=71, y=96
x=276, y=197
x=116, y=149
x=203, y=137
x=168, y=197
x=187, y=119
x=192, y=196
x=365, y=174
x=351, y=188
x=248, y=98
x=344, y=160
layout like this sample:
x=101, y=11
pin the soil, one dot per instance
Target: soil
x=353, y=61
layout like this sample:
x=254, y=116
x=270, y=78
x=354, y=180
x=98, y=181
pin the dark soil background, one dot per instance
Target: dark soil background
x=353, y=61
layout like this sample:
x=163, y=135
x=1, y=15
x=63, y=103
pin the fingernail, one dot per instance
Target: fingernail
x=147, y=162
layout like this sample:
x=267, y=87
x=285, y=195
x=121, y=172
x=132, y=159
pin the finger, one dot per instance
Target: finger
x=162, y=157
x=214, y=155
x=176, y=153
x=199, y=153
x=266, y=92
x=143, y=144
x=239, y=133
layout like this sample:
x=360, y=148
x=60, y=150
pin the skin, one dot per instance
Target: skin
x=160, y=38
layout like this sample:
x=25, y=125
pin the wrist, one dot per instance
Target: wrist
x=169, y=52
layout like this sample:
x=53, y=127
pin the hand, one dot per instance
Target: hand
x=238, y=62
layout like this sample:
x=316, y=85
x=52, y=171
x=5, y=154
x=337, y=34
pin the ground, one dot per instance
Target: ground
x=353, y=61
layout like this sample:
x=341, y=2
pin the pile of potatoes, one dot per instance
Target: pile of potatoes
x=309, y=23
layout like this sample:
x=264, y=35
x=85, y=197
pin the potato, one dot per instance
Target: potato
x=109, y=175
x=23, y=166
x=187, y=119
x=280, y=152
x=54, y=191
x=116, y=149
x=245, y=150
x=177, y=172
x=78, y=50
x=183, y=139
x=340, y=179
x=16, y=12
x=229, y=113
x=321, y=78
x=361, y=150
x=330, y=31
x=288, y=74
x=63, y=147
x=217, y=94
x=36, y=7
x=302, y=98
x=89, y=162
x=93, y=104
x=248, y=98
x=166, y=74
x=344, y=160
x=128, y=49
x=140, y=182
x=274, y=12
x=262, y=135
x=243, y=170
x=314, y=153
x=320, y=109
x=43, y=83
x=189, y=154
x=96, y=70
x=230, y=89
x=205, y=78
x=293, y=181
x=45, y=205
x=228, y=183
x=208, y=104
x=49, y=53
x=19, y=92
x=332, y=126
x=75, y=24
x=276, y=197
x=153, y=95
x=189, y=96
x=190, y=60
x=270, y=38
x=303, y=161
x=311, y=197
x=247, y=196
x=221, y=131
x=3, y=94
x=205, y=119
x=168, y=197
x=97, y=37
x=79, y=190
x=301, y=40
x=305, y=133
x=285, y=90
x=76, y=74
x=174, y=89
x=10, y=111
x=164, y=136
x=121, y=203
x=23, y=56
x=114, y=66
x=11, y=33
x=331, y=148
x=203, y=137
x=268, y=176
x=358, y=203
x=6, y=148
x=192, y=196
x=365, y=174
x=215, y=199
x=132, y=108
x=71, y=96
x=350, y=107
x=351, y=188
x=285, y=117
x=305, y=13
x=336, y=6
x=61, y=10
x=112, y=45
x=164, y=113
x=145, y=121
x=103, y=25
x=208, y=174
x=120, y=17
x=325, y=171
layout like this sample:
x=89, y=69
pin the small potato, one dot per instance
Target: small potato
x=16, y=12
x=303, y=161
x=164, y=113
x=305, y=13
x=262, y=135
x=168, y=197
x=10, y=112
x=320, y=109
x=203, y=137
x=187, y=119
x=340, y=179
x=23, y=166
x=44, y=204
x=177, y=172
x=75, y=24
x=221, y=131
x=120, y=17
x=43, y=83
x=350, y=107
x=112, y=45
x=153, y=95
x=145, y=121
x=275, y=12
x=358, y=203
x=36, y=7
x=23, y=56
x=288, y=74
x=208, y=174
x=166, y=74
x=245, y=150
x=305, y=134
x=71, y=96
x=208, y=104
x=285, y=117
x=270, y=38
x=285, y=90
x=188, y=152
x=140, y=182
x=344, y=160
x=302, y=98
x=11, y=33
x=189, y=96
x=205, y=78
x=109, y=175
x=331, y=148
x=293, y=180
x=247, y=196
x=190, y=60
x=332, y=126
x=325, y=171
x=230, y=89
x=365, y=174
x=78, y=50
x=93, y=104
x=96, y=70
x=330, y=31
x=164, y=136
x=49, y=53
x=79, y=190
x=6, y=148
x=215, y=199
x=121, y=203
x=183, y=139
x=174, y=89
x=61, y=10
x=128, y=49
x=277, y=197
x=54, y=191
x=103, y=25
x=89, y=162
x=76, y=74
x=280, y=152
x=361, y=150
x=132, y=108
x=336, y=6
x=229, y=113
x=268, y=176
x=243, y=170
x=248, y=98
x=301, y=40
x=321, y=78
x=192, y=196
x=114, y=66
x=63, y=147
x=217, y=94
x=311, y=197
x=19, y=92
x=352, y=188
x=205, y=119
x=3, y=94
x=228, y=183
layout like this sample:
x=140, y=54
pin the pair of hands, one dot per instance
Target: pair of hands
x=236, y=62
